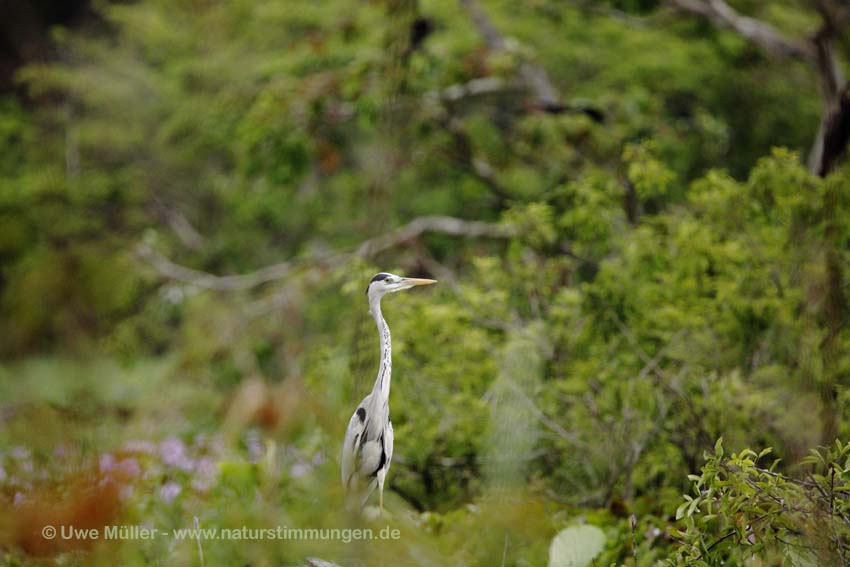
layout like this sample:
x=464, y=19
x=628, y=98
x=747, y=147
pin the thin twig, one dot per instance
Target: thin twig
x=633, y=526
x=545, y=419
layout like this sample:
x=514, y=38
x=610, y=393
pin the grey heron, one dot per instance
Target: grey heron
x=367, y=450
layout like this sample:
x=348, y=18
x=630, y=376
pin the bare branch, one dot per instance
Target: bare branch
x=759, y=33
x=481, y=20
x=476, y=87
x=546, y=96
x=829, y=69
x=209, y=281
x=368, y=249
x=831, y=140
x=443, y=225
x=835, y=14
x=188, y=235
x=178, y=223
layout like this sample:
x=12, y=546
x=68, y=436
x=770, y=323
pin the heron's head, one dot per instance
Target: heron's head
x=384, y=283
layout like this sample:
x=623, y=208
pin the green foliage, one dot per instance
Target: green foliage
x=740, y=508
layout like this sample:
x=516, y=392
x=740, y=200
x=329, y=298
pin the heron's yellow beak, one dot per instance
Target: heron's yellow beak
x=418, y=281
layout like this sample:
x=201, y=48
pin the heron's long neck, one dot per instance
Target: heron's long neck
x=382, y=382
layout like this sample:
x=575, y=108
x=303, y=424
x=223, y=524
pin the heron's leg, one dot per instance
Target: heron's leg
x=381, y=477
x=368, y=493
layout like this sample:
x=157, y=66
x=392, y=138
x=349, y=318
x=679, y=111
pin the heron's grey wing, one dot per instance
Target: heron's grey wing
x=364, y=451
x=371, y=458
x=373, y=451
x=351, y=444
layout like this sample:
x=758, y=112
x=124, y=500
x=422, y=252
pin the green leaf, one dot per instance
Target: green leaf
x=718, y=447
x=801, y=557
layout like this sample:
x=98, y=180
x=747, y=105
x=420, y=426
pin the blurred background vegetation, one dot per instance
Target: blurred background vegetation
x=635, y=209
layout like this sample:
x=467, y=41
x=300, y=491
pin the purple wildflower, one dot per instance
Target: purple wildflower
x=300, y=469
x=20, y=453
x=173, y=454
x=169, y=491
x=130, y=467
x=106, y=463
x=206, y=472
x=254, y=445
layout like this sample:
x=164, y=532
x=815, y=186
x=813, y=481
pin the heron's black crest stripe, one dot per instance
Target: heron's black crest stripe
x=378, y=277
x=361, y=413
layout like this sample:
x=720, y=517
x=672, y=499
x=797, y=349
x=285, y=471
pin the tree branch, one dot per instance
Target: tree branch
x=481, y=20
x=368, y=249
x=205, y=280
x=476, y=87
x=836, y=133
x=546, y=96
x=834, y=128
x=178, y=223
x=759, y=33
x=829, y=69
x=443, y=225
